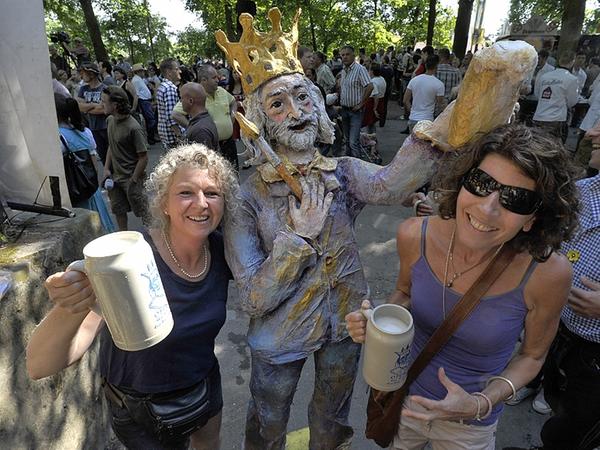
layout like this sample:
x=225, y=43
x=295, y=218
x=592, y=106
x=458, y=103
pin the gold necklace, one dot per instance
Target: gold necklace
x=179, y=266
x=448, y=284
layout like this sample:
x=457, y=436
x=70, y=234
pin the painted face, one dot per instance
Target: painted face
x=194, y=203
x=483, y=221
x=291, y=116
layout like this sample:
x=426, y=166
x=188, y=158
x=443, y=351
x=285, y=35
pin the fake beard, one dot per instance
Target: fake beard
x=297, y=134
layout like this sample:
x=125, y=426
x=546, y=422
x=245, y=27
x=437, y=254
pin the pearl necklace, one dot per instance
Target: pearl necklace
x=179, y=266
x=449, y=256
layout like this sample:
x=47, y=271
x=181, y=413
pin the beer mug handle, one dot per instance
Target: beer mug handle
x=79, y=266
x=367, y=313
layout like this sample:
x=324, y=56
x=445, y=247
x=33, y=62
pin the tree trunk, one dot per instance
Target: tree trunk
x=229, y=25
x=571, y=25
x=242, y=6
x=461, y=29
x=94, y=30
x=312, y=25
x=149, y=29
x=431, y=21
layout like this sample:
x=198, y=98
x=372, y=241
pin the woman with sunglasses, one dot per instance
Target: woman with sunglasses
x=511, y=188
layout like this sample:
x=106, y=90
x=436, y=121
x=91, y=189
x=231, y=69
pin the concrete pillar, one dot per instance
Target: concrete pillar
x=29, y=149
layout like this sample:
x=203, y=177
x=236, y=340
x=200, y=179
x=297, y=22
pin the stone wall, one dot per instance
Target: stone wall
x=65, y=411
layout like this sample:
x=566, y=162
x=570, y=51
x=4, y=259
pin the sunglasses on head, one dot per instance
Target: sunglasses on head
x=515, y=199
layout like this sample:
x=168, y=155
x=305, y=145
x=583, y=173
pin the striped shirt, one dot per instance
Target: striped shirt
x=166, y=99
x=354, y=80
x=448, y=75
x=582, y=251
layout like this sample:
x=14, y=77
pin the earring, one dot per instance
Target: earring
x=166, y=213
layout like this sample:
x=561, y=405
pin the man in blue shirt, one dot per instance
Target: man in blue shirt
x=572, y=371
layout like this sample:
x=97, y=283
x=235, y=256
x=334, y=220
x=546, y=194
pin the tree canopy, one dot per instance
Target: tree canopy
x=328, y=24
x=128, y=27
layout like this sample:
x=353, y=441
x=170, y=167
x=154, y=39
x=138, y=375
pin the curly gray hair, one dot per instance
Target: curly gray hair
x=255, y=112
x=196, y=156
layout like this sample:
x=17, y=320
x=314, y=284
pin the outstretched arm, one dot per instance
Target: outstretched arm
x=412, y=167
x=68, y=330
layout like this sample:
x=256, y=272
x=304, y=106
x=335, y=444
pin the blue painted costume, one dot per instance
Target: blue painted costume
x=298, y=291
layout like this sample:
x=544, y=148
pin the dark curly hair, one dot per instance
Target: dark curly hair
x=543, y=159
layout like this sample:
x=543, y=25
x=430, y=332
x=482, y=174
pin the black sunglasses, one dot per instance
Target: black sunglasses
x=515, y=199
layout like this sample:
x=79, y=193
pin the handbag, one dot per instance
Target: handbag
x=383, y=408
x=169, y=416
x=80, y=173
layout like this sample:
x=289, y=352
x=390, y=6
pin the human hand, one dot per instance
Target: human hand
x=106, y=174
x=71, y=290
x=458, y=404
x=357, y=107
x=586, y=302
x=422, y=205
x=356, y=323
x=309, y=218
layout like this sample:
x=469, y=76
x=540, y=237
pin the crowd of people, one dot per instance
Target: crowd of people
x=296, y=261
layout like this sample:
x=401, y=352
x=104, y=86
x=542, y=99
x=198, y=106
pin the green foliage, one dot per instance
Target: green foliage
x=591, y=23
x=127, y=27
x=522, y=10
x=372, y=24
x=192, y=42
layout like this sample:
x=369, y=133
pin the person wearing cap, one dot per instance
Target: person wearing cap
x=127, y=157
x=144, y=100
x=89, y=98
x=80, y=52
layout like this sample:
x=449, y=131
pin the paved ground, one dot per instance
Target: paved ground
x=375, y=228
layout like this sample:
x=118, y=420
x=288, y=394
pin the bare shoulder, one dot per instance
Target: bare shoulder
x=550, y=282
x=408, y=238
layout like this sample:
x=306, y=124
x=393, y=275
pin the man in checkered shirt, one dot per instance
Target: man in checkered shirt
x=447, y=73
x=572, y=370
x=166, y=98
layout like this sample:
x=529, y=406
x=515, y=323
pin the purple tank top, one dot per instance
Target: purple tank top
x=483, y=343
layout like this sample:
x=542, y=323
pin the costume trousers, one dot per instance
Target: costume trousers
x=572, y=388
x=272, y=389
x=351, y=125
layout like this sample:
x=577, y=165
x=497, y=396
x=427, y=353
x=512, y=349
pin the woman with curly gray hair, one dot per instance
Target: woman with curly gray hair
x=513, y=187
x=192, y=189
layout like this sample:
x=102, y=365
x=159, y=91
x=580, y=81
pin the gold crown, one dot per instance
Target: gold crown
x=259, y=57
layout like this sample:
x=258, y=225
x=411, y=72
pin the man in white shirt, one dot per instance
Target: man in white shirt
x=582, y=105
x=424, y=94
x=144, y=101
x=556, y=92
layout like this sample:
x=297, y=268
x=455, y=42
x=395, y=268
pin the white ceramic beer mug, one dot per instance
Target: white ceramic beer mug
x=386, y=356
x=132, y=300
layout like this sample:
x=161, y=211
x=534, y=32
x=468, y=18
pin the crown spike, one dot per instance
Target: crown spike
x=261, y=56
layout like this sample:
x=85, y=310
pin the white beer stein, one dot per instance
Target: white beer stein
x=386, y=356
x=123, y=273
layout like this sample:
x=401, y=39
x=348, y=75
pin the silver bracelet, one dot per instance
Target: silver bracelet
x=506, y=380
x=478, y=414
x=489, y=402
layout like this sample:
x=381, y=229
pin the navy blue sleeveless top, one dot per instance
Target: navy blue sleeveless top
x=483, y=343
x=186, y=355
